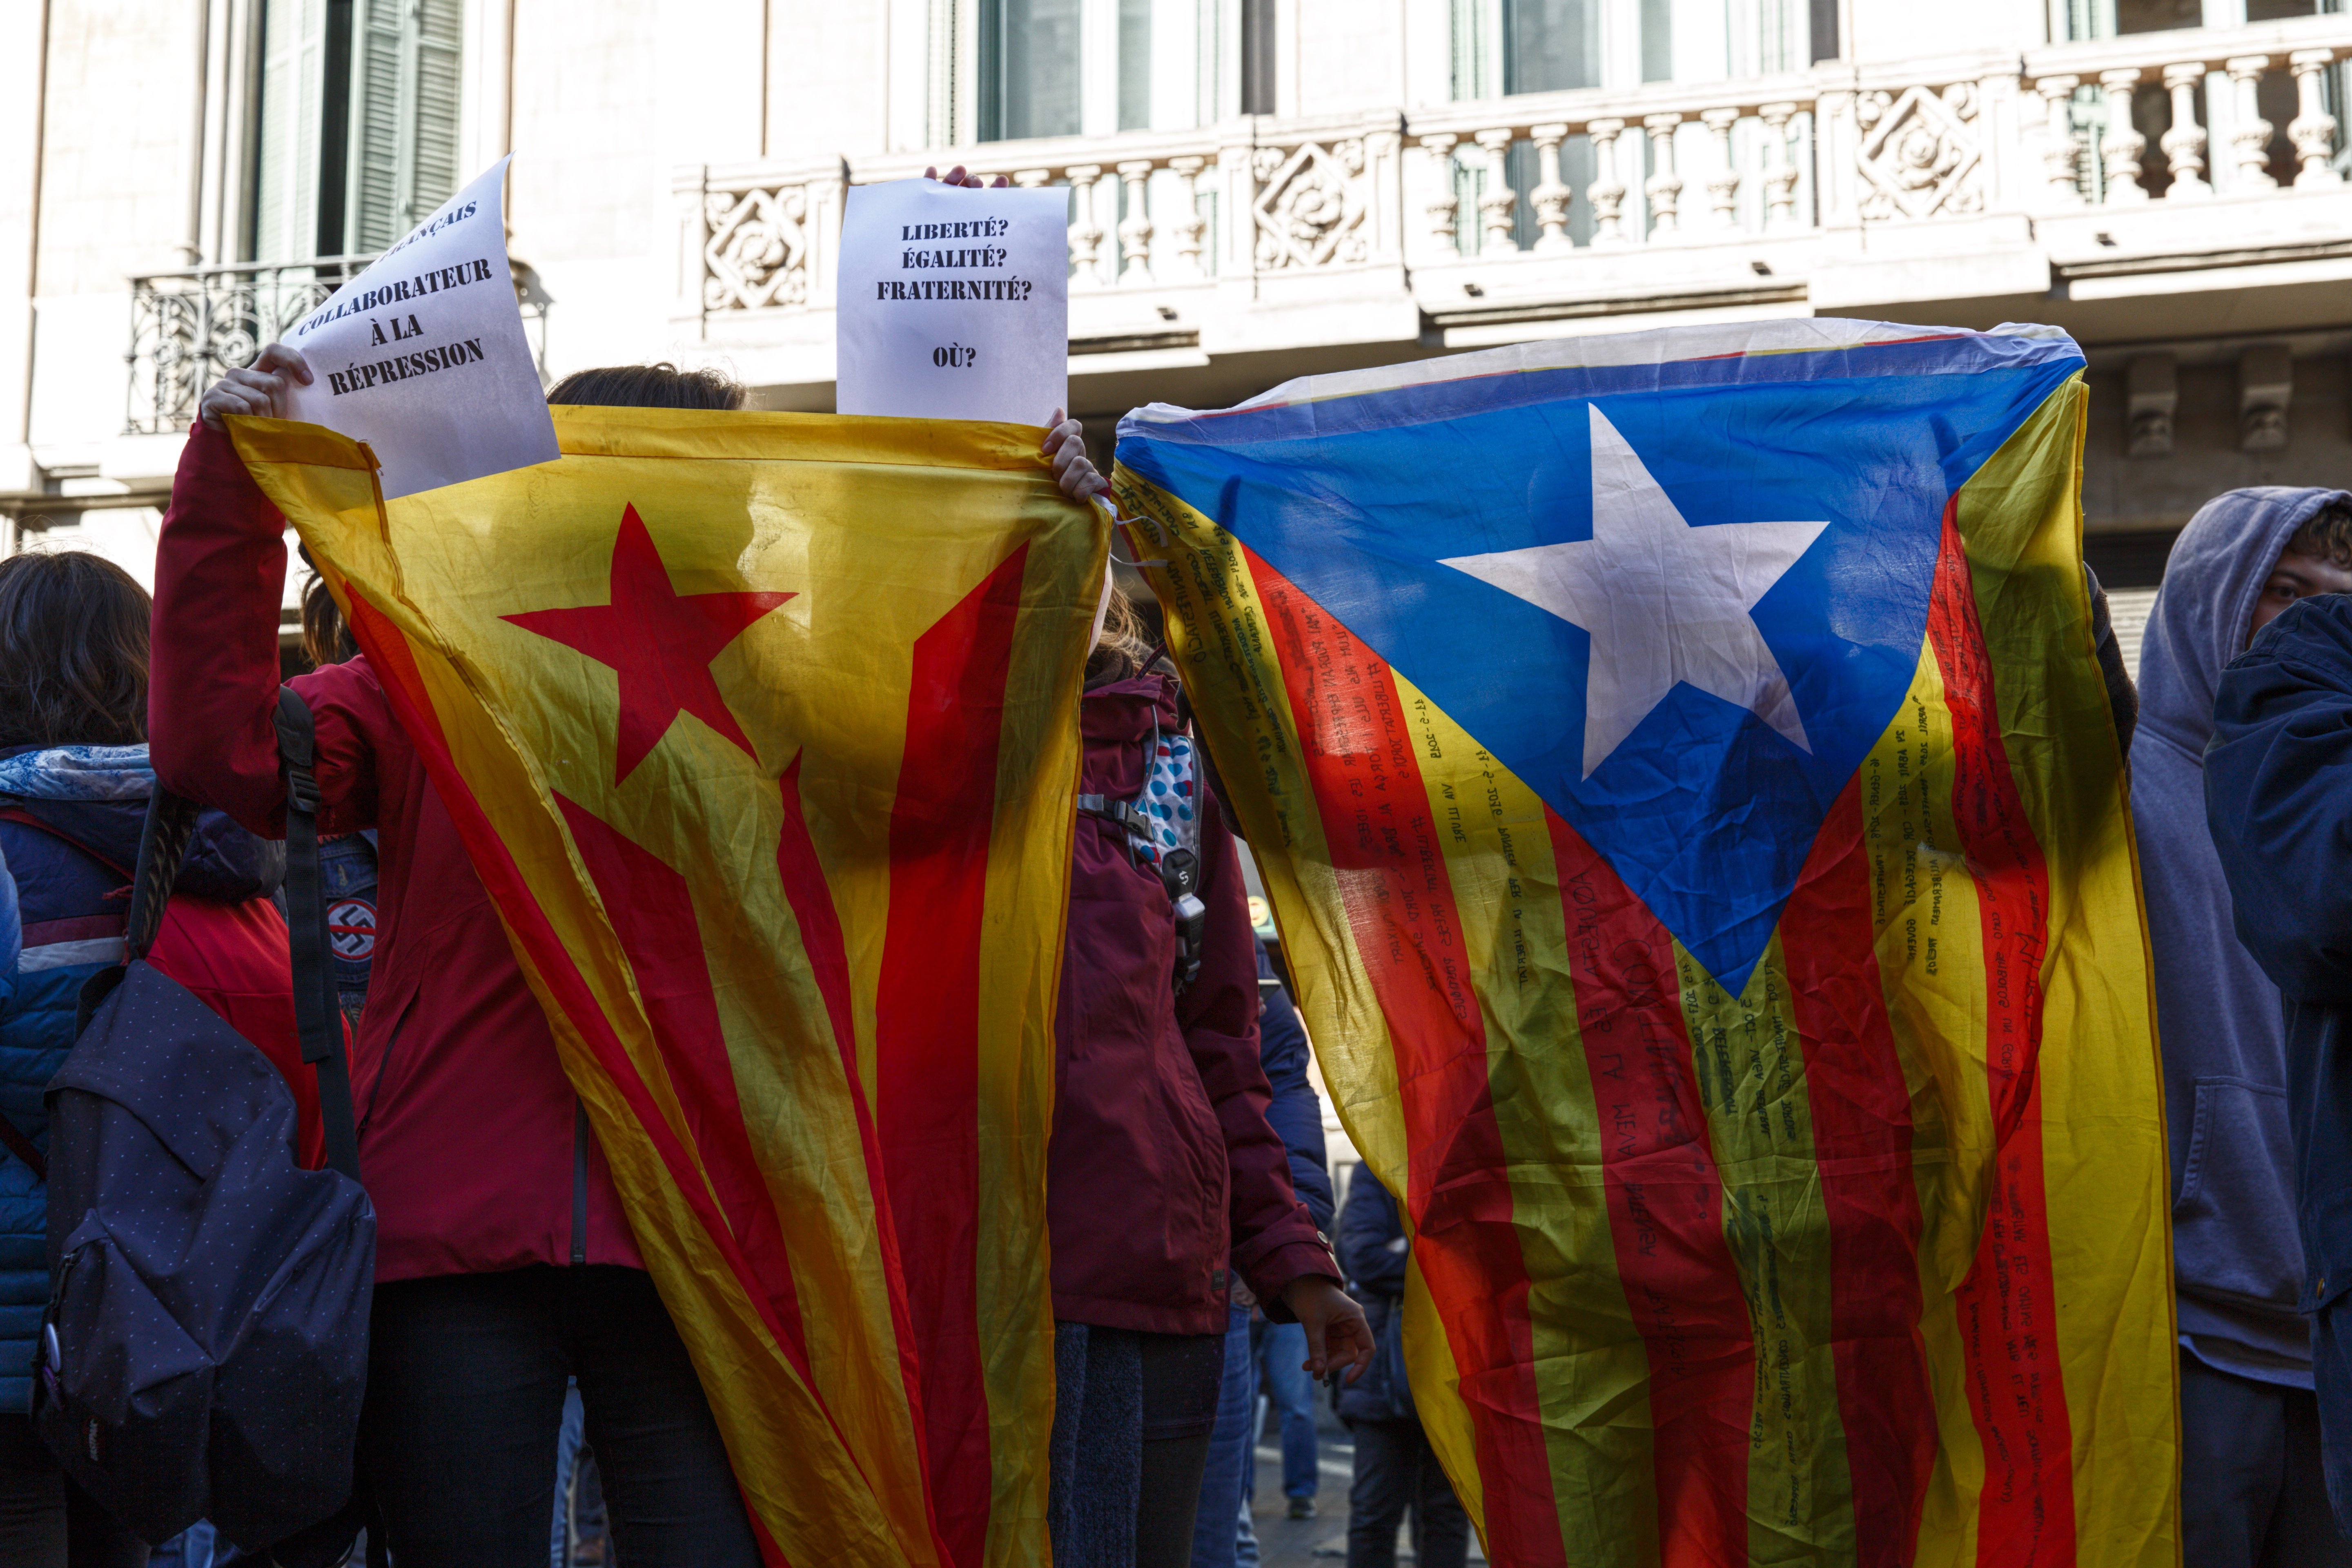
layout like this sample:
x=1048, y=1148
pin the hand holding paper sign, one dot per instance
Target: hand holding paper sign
x=422, y=356
x=264, y=387
x=955, y=300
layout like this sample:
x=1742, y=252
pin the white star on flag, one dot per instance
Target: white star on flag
x=1662, y=601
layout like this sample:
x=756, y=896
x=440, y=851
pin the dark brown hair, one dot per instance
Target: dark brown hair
x=325, y=638
x=662, y=385
x=2328, y=535
x=73, y=651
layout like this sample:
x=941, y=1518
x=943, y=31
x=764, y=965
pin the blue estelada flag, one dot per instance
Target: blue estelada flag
x=1687, y=794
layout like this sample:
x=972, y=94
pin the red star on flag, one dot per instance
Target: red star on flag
x=658, y=641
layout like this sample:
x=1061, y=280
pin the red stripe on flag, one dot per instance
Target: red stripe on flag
x=811, y=897
x=652, y=912
x=388, y=651
x=1665, y=1209
x=2016, y=1389
x=1361, y=762
x=1861, y=1143
x=927, y=1027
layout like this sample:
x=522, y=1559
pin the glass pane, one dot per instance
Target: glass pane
x=1135, y=65
x=1037, y=45
x=1550, y=44
x=2280, y=10
x=1657, y=40
x=2164, y=16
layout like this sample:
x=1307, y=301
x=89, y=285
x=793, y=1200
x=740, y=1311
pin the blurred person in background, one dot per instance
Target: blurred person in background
x=1396, y=1470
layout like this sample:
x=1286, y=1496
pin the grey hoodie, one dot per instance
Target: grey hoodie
x=2237, y=1263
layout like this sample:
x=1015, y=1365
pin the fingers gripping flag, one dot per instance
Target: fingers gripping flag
x=762, y=732
x=1688, y=794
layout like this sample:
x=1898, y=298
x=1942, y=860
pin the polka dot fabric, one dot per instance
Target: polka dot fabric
x=1172, y=798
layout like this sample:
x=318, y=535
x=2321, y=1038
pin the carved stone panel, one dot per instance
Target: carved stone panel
x=1308, y=211
x=757, y=252
x=1919, y=155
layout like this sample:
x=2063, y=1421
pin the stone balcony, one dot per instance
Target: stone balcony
x=2075, y=183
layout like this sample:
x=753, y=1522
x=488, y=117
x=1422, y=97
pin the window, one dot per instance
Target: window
x=1549, y=45
x=359, y=124
x=1657, y=40
x=1258, y=57
x=1135, y=65
x=1029, y=68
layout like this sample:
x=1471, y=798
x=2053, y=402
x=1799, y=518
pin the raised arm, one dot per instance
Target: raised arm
x=220, y=566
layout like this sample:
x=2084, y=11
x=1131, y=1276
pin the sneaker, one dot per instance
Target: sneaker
x=1302, y=1507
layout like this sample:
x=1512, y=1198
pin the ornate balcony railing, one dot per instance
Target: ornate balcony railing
x=1664, y=172
x=187, y=327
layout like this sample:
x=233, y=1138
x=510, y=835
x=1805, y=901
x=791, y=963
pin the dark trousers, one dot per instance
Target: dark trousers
x=45, y=1521
x=2253, y=1492
x=1132, y=1417
x=466, y=1381
x=1396, y=1469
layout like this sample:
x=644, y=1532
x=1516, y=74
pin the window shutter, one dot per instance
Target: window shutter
x=286, y=172
x=404, y=124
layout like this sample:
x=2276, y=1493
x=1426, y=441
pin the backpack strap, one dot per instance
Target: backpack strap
x=318, y=1016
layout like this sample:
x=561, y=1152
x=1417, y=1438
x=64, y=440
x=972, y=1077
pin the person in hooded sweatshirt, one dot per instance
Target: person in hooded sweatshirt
x=74, y=788
x=2278, y=799
x=2249, y=1435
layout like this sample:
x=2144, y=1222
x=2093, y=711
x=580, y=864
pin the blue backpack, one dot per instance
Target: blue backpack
x=204, y=1350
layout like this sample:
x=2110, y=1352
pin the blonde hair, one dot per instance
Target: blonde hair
x=1119, y=649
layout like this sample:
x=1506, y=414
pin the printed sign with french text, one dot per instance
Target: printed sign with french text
x=954, y=302
x=423, y=356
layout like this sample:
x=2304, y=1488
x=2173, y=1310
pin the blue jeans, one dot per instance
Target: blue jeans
x=1282, y=1351
x=1216, y=1530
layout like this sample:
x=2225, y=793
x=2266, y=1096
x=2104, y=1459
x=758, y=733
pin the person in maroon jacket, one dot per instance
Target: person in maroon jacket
x=1162, y=1165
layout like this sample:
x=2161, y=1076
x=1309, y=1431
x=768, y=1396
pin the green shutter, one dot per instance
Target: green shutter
x=286, y=164
x=404, y=117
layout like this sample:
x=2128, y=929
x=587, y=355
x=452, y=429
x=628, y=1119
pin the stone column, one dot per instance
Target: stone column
x=1723, y=185
x=2184, y=144
x=1086, y=232
x=1190, y=225
x=2122, y=146
x=1780, y=173
x=2249, y=138
x=2058, y=139
x=1551, y=195
x=1135, y=233
x=1445, y=207
x=1495, y=207
x=2313, y=128
x=1608, y=191
x=1665, y=187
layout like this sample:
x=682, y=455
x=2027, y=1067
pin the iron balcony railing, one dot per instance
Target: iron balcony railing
x=188, y=328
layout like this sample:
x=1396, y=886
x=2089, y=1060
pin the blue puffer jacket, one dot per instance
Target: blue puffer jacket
x=69, y=885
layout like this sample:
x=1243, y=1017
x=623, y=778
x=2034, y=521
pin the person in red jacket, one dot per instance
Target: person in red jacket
x=1164, y=1179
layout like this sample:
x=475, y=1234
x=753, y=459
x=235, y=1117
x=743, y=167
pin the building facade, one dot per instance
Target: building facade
x=1258, y=189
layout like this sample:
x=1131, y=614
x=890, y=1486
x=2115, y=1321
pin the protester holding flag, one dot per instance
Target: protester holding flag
x=74, y=788
x=505, y=1262
x=2251, y=1455
x=1163, y=1162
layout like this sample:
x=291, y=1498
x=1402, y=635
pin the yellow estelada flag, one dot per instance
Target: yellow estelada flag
x=760, y=730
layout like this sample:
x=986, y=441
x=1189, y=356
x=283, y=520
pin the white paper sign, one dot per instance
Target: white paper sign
x=423, y=355
x=955, y=303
